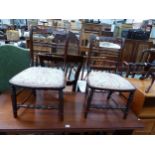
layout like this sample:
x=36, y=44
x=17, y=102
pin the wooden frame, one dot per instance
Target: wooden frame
x=91, y=89
x=16, y=105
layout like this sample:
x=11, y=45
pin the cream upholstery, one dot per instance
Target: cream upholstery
x=109, y=81
x=39, y=77
x=109, y=45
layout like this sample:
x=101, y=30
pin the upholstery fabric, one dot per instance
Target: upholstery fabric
x=39, y=77
x=104, y=80
x=12, y=61
x=109, y=45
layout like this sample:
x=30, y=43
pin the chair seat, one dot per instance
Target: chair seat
x=39, y=77
x=108, y=81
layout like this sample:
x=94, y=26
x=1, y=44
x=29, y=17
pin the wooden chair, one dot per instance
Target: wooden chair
x=46, y=78
x=39, y=78
x=151, y=73
x=100, y=81
x=140, y=68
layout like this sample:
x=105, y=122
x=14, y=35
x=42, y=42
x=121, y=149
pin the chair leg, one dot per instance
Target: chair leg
x=88, y=102
x=109, y=95
x=34, y=92
x=148, y=89
x=130, y=99
x=14, y=101
x=61, y=104
x=74, y=86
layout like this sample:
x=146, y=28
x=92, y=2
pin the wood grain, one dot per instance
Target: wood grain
x=33, y=121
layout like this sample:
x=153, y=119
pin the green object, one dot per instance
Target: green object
x=12, y=61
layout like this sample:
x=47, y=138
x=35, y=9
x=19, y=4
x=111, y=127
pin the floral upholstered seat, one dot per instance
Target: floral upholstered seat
x=109, y=81
x=39, y=77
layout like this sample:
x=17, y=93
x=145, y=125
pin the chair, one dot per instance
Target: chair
x=39, y=78
x=140, y=68
x=151, y=73
x=13, y=60
x=42, y=78
x=133, y=49
x=101, y=78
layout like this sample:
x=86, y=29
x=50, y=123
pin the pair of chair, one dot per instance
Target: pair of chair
x=56, y=71
x=54, y=78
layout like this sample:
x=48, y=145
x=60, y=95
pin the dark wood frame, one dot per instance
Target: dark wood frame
x=90, y=90
x=151, y=73
x=89, y=95
x=53, y=57
x=16, y=105
x=141, y=67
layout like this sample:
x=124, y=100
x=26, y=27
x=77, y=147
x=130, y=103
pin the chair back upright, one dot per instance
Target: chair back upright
x=40, y=41
x=46, y=40
x=103, y=58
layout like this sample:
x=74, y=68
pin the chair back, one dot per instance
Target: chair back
x=46, y=40
x=104, y=53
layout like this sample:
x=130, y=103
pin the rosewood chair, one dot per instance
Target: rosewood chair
x=39, y=78
x=144, y=69
x=140, y=68
x=102, y=78
x=151, y=73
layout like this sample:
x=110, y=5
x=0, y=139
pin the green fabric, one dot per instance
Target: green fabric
x=12, y=60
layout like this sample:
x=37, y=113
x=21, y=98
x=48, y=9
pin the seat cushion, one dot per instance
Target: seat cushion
x=39, y=77
x=110, y=81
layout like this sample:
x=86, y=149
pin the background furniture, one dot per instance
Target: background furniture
x=133, y=48
x=143, y=105
x=89, y=29
x=12, y=60
x=140, y=68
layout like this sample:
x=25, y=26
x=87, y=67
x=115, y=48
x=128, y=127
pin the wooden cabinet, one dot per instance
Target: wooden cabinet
x=149, y=127
x=133, y=48
x=92, y=28
x=144, y=105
